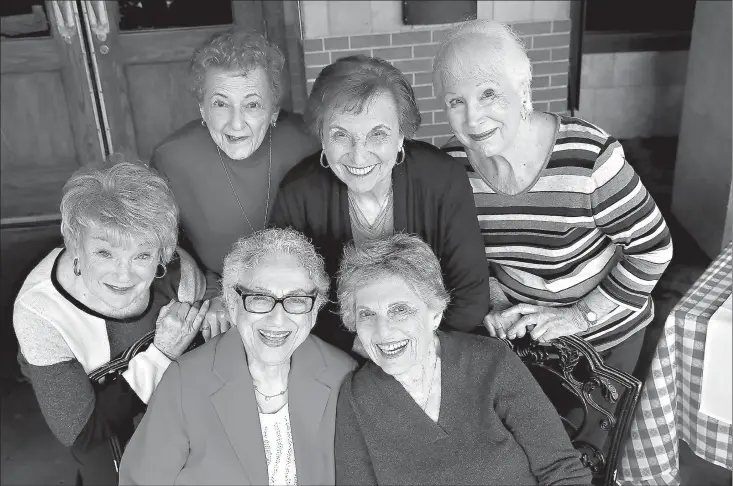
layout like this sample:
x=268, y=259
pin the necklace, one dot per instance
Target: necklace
x=239, y=203
x=270, y=397
x=432, y=380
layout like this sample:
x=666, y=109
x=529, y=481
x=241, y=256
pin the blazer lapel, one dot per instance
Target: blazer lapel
x=237, y=409
x=307, y=404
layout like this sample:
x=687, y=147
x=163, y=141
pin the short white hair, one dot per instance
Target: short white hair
x=475, y=38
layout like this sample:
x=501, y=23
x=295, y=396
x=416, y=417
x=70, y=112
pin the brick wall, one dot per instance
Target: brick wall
x=413, y=51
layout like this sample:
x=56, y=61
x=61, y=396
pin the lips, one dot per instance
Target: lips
x=479, y=137
x=233, y=139
x=360, y=171
x=393, y=349
x=274, y=339
x=118, y=289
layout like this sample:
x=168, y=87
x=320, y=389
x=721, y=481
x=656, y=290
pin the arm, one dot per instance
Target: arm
x=353, y=465
x=625, y=212
x=79, y=414
x=463, y=258
x=159, y=447
x=528, y=414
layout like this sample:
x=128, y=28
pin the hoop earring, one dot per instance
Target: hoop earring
x=321, y=160
x=402, y=159
x=165, y=271
x=203, y=123
x=77, y=272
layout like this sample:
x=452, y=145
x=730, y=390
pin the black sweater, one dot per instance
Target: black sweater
x=432, y=199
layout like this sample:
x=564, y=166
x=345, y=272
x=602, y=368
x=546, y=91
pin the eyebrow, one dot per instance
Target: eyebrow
x=339, y=127
x=298, y=291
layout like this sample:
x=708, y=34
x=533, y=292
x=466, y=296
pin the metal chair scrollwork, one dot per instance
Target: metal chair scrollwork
x=596, y=403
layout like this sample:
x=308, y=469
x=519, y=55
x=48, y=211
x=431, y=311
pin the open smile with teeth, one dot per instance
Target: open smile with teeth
x=360, y=171
x=233, y=139
x=394, y=348
x=483, y=136
x=118, y=290
x=274, y=338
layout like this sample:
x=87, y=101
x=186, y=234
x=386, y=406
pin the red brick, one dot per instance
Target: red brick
x=560, y=53
x=422, y=92
x=540, y=81
x=391, y=53
x=426, y=118
x=334, y=43
x=312, y=72
x=335, y=55
x=552, y=40
x=312, y=45
x=434, y=130
x=559, y=80
x=561, y=25
x=423, y=78
x=430, y=104
x=548, y=94
x=558, y=106
x=538, y=55
x=439, y=117
x=415, y=37
x=427, y=50
x=378, y=40
x=541, y=106
x=553, y=67
x=414, y=65
x=317, y=58
x=532, y=28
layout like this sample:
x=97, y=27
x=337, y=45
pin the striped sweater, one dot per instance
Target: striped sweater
x=586, y=224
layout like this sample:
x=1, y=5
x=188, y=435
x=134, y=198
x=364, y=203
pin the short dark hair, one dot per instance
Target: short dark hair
x=352, y=81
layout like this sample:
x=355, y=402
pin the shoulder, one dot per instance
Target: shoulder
x=432, y=165
x=291, y=140
x=474, y=352
x=197, y=365
x=305, y=173
x=182, y=140
x=582, y=145
x=338, y=364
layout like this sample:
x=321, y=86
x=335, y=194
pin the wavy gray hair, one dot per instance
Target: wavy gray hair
x=401, y=255
x=247, y=252
x=477, y=38
x=128, y=200
x=238, y=51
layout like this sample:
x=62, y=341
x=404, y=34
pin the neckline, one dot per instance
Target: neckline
x=79, y=305
x=558, y=125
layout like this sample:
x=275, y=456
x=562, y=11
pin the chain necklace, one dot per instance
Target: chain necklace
x=239, y=203
x=270, y=397
x=432, y=380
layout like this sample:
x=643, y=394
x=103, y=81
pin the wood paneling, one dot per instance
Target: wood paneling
x=167, y=45
x=161, y=102
x=29, y=56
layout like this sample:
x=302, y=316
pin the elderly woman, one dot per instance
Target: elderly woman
x=370, y=180
x=224, y=168
x=575, y=241
x=435, y=407
x=117, y=278
x=256, y=405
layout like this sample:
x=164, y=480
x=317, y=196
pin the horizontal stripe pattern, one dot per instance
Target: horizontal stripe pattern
x=587, y=222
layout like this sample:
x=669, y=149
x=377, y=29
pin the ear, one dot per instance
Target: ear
x=274, y=116
x=435, y=319
x=201, y=110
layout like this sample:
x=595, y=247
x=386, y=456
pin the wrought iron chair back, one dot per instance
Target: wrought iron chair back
x=596, y=402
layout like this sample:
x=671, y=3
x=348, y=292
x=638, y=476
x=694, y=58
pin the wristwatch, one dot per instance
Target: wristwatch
x=589, y=316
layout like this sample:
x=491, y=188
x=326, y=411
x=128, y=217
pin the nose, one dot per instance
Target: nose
x=360, y=155
x=278, y=315
x=237, y=119
x=383, y=328
x=124, y=270
x=474, y=114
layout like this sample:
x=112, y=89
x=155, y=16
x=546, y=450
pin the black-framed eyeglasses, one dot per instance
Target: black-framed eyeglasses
x=262, y=303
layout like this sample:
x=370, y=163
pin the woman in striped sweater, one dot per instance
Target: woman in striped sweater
x=574, y=240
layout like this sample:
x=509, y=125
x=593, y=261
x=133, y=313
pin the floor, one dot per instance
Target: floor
x=31, y=455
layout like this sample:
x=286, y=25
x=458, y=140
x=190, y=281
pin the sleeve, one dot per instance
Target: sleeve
x=463, y=258
x=284, y=213
x=78, y=413
x=625, y=212
x=159, y=448
x=528, y=414
x=353, y=464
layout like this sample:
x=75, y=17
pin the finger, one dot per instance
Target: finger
x=182, y=311
x=197, y=315
x=521, y=325
x=490, y=328
x=224, y=324
x=540, y=331
x=193, y=311
x=520, y=309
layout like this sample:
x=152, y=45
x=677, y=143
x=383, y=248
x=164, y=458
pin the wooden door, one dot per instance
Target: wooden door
x=141, y=49
x=49, y=116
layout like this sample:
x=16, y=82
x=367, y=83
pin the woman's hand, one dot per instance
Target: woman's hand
x=177, y=325
x=544, y=323
x=216, y=320
x=497, y=324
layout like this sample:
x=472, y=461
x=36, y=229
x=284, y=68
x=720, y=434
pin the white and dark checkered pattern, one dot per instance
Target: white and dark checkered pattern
x=670, y=399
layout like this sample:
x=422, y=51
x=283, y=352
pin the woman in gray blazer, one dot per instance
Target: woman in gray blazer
x=257, y=404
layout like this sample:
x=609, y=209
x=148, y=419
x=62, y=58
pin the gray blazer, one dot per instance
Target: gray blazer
x=202, y=423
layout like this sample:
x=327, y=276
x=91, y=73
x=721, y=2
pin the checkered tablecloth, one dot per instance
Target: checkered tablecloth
x=670, y=399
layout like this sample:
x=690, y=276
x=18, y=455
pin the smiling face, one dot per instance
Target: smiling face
x=362, y=148
x=394, y=325
x=118, y=275
x=273, y=337
x=237, y=110
x=484, y=113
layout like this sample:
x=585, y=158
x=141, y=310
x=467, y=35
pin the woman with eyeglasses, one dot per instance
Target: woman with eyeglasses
x=256, y=404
